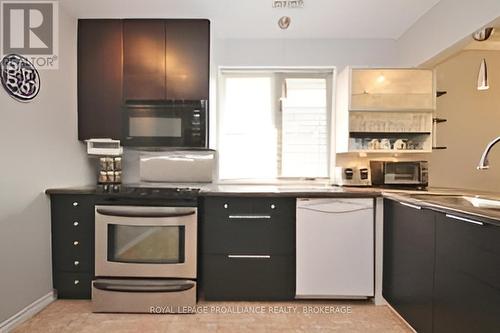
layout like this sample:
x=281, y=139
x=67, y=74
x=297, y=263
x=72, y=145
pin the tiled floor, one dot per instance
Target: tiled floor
x=358, y=316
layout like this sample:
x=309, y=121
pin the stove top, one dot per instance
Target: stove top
x=139, y=191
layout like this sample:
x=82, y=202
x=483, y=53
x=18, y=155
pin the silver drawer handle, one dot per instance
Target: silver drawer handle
x=248, y=256
x=249, y=216
x=76, y=223
x=75, y=243
x=463, y=219
x=75, y=203
x=76, y=282
x=76, y=263
x=410, y=205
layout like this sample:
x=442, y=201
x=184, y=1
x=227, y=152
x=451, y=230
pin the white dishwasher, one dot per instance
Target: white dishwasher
x=335, y=248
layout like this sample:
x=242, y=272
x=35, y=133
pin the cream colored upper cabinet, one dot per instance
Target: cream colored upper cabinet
x=380, y=89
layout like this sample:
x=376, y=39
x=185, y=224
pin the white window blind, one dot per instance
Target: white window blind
x=304, y=129
x=248, y=134
x=260, y=138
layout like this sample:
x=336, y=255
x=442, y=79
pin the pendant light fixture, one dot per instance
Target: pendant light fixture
x=482, y=78
x=483, y=35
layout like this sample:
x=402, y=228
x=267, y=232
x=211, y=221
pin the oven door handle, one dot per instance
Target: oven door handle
x=135, y=213
x=136, y=288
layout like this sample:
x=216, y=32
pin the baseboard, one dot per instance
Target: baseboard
x=401, y=318
x=26, y=313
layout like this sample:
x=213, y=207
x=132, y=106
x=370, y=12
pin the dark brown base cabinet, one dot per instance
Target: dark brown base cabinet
x=467, y=277
x=441, y=274
x=247, y=248
x=72, y=245
x=408, y=271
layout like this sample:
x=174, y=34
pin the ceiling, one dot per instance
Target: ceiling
x=257, y=19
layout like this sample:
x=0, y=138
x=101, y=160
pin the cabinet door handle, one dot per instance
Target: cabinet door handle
x=410, y=205
x=459, y=218
x=248, y=256
x=249, y=217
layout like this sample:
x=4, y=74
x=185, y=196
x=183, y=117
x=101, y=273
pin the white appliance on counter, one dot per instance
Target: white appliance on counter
x=335, y=248
x=104, y=147
x=195, y=166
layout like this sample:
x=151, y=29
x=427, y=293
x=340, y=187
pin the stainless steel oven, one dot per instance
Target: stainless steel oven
x=144, y=257
x=177, y=124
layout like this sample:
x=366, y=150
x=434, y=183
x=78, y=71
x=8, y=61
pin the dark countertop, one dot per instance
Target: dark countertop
x=90, y=189
x=491, y=216
x=249, y=190
x=467, y=210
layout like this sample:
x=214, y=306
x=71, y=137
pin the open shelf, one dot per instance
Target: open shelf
x=359, y=133
x=387, y=151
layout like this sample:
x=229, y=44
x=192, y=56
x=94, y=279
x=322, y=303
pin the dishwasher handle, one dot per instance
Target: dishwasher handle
x=344, y=211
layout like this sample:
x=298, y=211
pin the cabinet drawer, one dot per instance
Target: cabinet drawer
x=263, y=208
x=69, y=257
x=248, y=278
x=72, y=212
x=73, y=285
x=248, y=236
x=248, y=225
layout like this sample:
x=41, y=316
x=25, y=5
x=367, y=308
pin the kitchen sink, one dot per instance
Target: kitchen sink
x=460, y=200
x=483, y=202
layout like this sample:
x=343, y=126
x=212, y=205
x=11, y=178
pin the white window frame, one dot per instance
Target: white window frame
x=331, y=86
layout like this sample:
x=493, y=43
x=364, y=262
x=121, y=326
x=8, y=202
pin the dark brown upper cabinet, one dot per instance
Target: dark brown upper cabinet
x=188, y=47
x=166, y=59
x=99, y=78
x=137, y=59
x=144, y=50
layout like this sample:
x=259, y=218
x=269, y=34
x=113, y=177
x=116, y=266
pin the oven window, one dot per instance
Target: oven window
x=155, y=127
x=146, y=244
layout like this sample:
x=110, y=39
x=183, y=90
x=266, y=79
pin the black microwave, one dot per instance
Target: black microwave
x=175, y=124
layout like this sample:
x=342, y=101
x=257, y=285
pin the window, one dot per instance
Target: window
x=248, y=131
x=274, y=124
x=304, y=129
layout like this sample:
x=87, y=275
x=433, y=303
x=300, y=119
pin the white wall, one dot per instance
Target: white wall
x=39, y=147
x=448, y=23
x=304, y=52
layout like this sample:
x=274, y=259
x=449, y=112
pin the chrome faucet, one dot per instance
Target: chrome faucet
x=483, y=163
